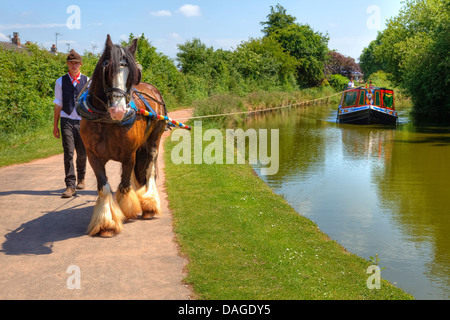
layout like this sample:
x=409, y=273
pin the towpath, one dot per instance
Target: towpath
x=44, y=249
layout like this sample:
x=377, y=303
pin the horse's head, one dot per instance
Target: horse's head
x=119, y=72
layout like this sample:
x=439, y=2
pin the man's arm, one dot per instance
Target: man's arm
x=56, y=116
x=58, y=103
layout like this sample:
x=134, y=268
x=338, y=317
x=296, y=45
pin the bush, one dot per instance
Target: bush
x=338, y=82
x=27, y=87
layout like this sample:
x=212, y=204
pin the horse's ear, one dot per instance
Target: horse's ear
x=133, y=47
x=108, y=43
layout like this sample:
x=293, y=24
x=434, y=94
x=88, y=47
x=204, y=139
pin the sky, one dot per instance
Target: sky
x=83, y=24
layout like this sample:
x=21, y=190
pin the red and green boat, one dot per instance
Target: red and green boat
x=372, y=105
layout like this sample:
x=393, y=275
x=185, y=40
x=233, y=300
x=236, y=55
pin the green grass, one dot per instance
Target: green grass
x=245, y=242
x=22, y=148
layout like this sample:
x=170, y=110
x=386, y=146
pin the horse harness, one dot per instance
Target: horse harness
x=88, y=112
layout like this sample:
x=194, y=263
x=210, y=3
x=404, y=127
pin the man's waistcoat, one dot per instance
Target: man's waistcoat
x=70, y=93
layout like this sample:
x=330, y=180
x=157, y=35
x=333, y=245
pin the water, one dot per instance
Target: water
x=376, y=190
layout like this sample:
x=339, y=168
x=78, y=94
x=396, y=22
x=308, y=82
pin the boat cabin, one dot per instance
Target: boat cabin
x=367, y=106
x=380, y=97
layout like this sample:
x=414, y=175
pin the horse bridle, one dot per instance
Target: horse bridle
x=112, y=92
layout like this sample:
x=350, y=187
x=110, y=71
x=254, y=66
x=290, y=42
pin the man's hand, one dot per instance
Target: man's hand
x=56, y=132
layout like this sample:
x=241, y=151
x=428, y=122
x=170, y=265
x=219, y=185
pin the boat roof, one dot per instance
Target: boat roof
x=372, y=87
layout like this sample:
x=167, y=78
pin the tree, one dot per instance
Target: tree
x=414, y=49
x=309, y=48
x=264, y=60
x=278, y=19
x=194, y=57
x=340, y=64
x=368, y=61
x=301, y=42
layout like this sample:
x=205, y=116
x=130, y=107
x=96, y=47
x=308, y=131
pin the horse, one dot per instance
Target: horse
x=115, y=131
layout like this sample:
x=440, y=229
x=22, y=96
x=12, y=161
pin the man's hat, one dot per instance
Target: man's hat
x=73, y=56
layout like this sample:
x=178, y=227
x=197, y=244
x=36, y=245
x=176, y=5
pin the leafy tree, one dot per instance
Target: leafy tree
x=309, y=48
x=414, y=49
x=368, y=61
x=265, y=61
x=340, y=64
x=301, y=42
x=194, y=57
x=278, y=19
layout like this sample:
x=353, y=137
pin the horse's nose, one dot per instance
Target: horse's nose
x=117, y=111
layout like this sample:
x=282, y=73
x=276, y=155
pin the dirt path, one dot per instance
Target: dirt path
x=43, y=235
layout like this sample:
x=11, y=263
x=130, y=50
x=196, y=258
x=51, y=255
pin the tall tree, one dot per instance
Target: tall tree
x=300, y=41
x=368, y=61
x=277, y=19
x=194, y=57
x=414, y=49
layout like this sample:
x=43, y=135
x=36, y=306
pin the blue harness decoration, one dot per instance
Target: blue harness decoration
x=88, y=112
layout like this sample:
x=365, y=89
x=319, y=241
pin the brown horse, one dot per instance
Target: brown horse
x=112, y=134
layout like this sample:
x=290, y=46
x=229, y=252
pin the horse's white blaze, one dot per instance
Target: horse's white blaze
x=119, y=104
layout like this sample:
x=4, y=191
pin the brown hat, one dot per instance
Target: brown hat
x=73, y=56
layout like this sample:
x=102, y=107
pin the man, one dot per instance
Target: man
x=351, y=84
x=67, y=89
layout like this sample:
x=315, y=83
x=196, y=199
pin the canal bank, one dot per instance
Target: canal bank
x=243, y=241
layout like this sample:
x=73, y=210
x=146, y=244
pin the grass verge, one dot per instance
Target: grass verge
x=22, y=148
x=245, y=242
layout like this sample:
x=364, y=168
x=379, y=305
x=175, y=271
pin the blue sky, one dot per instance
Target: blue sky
x=83, y=25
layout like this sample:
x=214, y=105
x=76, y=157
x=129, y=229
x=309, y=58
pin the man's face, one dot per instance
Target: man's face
x=74, y=67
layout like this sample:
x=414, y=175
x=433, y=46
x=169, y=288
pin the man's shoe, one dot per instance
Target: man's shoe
x=69, y=193
x=81, y=185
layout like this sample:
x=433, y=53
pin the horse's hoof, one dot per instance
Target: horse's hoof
x=147, y=215
x=106, y=234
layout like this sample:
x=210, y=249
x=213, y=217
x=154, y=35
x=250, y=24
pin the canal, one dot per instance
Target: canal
x=380, y=192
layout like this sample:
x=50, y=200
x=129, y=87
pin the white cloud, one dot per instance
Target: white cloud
x=3, y=37
x=189, y=10
x=175, y=36
x=162, y=13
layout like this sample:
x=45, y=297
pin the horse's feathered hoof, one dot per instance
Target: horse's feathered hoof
x=148, y=215
x=106, y=234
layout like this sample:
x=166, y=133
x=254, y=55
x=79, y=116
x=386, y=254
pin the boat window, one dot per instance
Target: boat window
x=350, y=99
x=377, y=98
x=388, y=100
x=362, y=98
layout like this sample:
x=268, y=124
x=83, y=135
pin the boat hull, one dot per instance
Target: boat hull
x=367, y=115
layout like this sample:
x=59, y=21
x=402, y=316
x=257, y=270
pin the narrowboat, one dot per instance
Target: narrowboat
x=372, y=105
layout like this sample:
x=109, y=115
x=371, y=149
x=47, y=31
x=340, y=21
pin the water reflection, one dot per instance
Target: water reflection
x=376, y=190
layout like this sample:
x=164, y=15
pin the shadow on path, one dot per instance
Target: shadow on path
x=36, y=237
